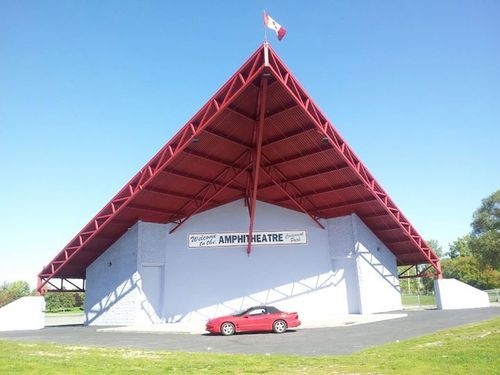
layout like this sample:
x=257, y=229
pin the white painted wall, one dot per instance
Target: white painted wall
x=343, y=269
x=112, y=294
x=454, y=294
x=368, y=266
x=202, y=283
x=377, y=272
x=343, y=255
x=25, y=313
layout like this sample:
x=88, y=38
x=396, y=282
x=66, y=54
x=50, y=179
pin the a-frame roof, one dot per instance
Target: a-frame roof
x=305, y=165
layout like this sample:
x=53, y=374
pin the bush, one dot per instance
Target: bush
x=11, y=291
x=61, y=301
x=468, y=270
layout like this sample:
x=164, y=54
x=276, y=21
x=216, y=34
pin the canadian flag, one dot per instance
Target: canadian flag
x=273, y=25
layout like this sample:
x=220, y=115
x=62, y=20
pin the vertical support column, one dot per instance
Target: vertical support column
x=39, y=290
x=266, y=54
x=258, y=152
x=438, y=270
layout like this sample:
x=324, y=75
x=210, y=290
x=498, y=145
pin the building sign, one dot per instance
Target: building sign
x=282, y=237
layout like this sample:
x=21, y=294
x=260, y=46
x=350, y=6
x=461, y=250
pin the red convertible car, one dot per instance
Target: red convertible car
x=258, y=318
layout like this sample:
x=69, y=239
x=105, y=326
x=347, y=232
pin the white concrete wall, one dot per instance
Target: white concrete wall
x=152, y=252
x=202, y=283
x=343, y=255
x=454, y=294
x=377, y=272
x=343, y=269
x=370, y=274
x=25, y=313
x=112, y=293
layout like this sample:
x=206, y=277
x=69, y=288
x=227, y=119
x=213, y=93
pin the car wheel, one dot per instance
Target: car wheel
x=279, y=326
x=227, y=329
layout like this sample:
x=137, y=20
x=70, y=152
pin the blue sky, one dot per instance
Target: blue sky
x=90, y=90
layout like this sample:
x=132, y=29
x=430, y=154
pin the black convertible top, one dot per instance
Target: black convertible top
x=269, y=309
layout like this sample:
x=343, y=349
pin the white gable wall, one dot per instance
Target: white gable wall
x=329, y=275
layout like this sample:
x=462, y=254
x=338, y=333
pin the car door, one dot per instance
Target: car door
x=265, y=321
x=256, y=319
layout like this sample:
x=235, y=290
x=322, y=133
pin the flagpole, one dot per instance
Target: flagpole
x=265, y=28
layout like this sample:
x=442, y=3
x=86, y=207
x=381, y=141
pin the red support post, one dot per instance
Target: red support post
x=39, y=290
x=258, y=154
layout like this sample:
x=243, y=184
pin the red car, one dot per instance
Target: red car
x=258, y=318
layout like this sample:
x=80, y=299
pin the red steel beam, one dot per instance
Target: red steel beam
x=290, y=197
x=207, y=201
x=258, y=155
x=168, y=193
x=156, y=210
x=202, y=156
x=203, y=193
x=280, y=111
x=228, y=138
x=344, y=204
x=336, y=169
x=299, y=156
x=198, y=178
x=326, y=190
x=289, y=135
x=239, y=112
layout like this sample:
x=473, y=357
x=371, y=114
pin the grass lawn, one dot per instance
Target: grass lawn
x=71, y=311
x=412, y=300
x=470, y=349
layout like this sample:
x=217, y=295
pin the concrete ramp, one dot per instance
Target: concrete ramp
x=454, y=294
x=25, y=313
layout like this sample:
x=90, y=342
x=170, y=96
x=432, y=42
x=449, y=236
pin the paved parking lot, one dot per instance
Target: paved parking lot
x=310, y=342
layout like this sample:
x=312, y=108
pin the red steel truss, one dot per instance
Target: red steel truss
x=260, y=137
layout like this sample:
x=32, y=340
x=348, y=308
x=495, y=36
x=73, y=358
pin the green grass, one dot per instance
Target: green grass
x=411, y=300
x=72, y=311
x=471, y=349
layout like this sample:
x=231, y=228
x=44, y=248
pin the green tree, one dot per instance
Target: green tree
x=485, y=239
x=468, y=270
x=52, y=302
x=10, y=291
x=79, y=299
x=438, y=249
x=460, y=247
x=60, y=301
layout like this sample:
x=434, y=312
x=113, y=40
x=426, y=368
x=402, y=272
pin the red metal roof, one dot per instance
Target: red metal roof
x=305, y=166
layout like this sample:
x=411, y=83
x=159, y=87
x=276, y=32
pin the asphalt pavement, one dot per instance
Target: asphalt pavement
x=309, y=342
